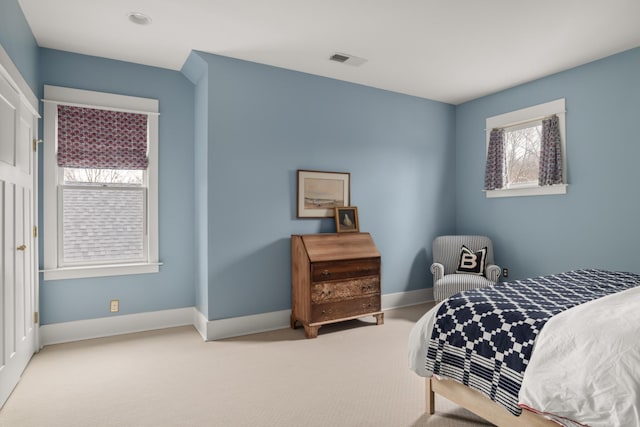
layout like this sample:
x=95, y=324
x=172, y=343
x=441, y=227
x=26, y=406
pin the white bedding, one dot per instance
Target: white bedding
x=418, y=339
x=585, y=365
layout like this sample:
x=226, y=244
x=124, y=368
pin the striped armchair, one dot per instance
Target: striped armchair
x=446, y=256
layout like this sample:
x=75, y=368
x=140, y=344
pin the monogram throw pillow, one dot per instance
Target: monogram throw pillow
x=472, y=262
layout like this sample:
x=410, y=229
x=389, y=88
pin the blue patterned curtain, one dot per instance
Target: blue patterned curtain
x=494, y=174
x=550, y=171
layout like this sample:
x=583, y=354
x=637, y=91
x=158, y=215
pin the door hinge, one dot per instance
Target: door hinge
x=35, y=231
x=36, y=317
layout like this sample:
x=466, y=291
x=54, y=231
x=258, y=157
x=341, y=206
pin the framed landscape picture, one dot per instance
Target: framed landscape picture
x=320, y=192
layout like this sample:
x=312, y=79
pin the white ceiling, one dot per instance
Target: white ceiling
x=450, y=51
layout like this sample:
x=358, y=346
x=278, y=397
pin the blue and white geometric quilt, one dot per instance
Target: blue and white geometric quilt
x=483, y=338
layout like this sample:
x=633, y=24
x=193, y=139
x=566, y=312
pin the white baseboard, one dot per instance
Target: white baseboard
x=245, y=325
x=403, y=299
x=210, y=330
x=200, y=323
x=57, y=333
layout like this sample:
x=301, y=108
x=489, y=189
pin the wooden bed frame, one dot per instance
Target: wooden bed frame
x=480, y=405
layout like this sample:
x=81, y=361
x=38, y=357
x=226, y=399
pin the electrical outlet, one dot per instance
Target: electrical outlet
x=115, y=305
x=505, y=272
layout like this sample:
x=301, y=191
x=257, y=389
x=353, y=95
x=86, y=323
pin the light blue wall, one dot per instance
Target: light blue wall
x=596, y=223
x=196, y=70
x=173, y=287
x=267, y=122
x=17, y=40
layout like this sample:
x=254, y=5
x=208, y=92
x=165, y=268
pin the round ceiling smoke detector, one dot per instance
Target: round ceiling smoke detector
x=139, y=18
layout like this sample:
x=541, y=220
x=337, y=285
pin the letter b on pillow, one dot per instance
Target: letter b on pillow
x=472, y=262
x=468, y=261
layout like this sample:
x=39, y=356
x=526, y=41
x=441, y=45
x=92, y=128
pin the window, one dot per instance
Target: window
x=100, y=184
x=518, y=160
x=522, y=154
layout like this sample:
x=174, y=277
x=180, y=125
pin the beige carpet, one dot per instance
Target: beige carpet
x=354, y=374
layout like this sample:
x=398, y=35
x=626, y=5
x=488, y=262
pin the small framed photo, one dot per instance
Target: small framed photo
x=320, y=192
x=347, y=219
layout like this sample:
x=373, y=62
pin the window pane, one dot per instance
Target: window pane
x=102, y=225
x=523, y=154
x=102, y=176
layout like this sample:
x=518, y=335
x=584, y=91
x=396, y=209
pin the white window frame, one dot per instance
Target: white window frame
x=53, y=96
x=528, y=115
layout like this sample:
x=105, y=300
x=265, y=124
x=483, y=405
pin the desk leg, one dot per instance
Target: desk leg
x=311, y=331
x=379, y=319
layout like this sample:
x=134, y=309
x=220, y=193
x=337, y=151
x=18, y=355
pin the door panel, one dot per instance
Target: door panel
x=3, y=249
x=25, y=139
x=9, y=274
x=20, y=251
x=28, y=267
x=9, y=100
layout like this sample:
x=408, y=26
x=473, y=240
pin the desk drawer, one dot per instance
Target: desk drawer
x=338, y=270
x=336, y=290
x=345, y=308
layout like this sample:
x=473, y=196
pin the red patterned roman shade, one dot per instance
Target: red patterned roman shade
x=101, y=139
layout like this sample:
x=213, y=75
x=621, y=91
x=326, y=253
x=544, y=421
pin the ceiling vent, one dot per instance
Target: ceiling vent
x=347, y=59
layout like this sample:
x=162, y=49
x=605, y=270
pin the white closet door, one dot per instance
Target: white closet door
x=18, y=275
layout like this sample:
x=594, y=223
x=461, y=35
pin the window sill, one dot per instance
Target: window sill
x=100, y=271
x=530, y=191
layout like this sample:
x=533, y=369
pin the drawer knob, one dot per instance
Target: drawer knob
x=325, y=272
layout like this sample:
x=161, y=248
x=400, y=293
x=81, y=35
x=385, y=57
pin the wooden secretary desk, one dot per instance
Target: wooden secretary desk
x=334, y=277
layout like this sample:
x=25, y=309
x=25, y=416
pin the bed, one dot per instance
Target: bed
x=553, y=350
